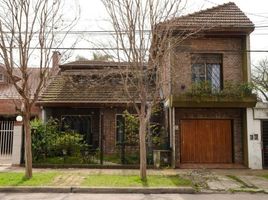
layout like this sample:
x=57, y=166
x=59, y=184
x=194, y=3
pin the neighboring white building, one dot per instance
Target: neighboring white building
x=257, y=120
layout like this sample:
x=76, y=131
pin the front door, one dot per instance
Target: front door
x=265, y=143
x=206, y=141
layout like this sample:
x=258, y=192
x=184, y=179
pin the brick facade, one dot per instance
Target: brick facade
x=8, y=108
x=108, y=126
x=232, y=60
x=109, y=130
x=180, y=69
x=235, y=115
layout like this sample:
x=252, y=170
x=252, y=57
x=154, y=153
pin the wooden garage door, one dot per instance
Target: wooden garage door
x=206, y=141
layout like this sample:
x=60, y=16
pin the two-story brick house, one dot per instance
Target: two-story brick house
x=206, y=94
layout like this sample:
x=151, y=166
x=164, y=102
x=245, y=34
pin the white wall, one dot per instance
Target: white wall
x=254, y=118
x=254, y=145
x=17, y=143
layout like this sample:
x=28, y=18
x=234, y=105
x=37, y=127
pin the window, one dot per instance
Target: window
x=1, y=78
x=120, y=129
x=207, y=67
x=127, y=129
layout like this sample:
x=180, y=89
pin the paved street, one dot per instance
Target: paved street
x=71, y=196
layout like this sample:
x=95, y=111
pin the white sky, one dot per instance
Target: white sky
x=93, y=17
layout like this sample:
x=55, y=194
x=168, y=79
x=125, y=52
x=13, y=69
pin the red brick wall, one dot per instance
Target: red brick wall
x=7, y=108
x=109, y=130
x=181, y=59
x=236, y=115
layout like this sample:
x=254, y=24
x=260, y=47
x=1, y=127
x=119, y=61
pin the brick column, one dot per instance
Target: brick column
x=17, y=142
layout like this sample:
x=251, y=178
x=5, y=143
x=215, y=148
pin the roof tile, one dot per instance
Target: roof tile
x=223, y=16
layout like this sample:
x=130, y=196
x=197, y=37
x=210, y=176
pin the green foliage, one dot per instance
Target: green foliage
x=43, y=137
x=131, y=128
x=237, y=89
x=130, y=158
x=18, y=179
x=230, y=90
x=135, y=181
x=48, y=141
x=70, y=160
x=202, y=88
x=69, y=143
x=102, y=180
x=265, y=176
x=157, y=132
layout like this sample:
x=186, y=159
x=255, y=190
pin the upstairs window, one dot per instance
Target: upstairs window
x=207, y=68
x=1, y=77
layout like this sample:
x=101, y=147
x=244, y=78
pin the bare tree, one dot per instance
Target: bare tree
x=27, y=34
x=143, y=42
x=260, y=78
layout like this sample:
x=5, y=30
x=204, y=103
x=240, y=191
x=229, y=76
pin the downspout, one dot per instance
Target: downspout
x=174, y=138
x=43, y=114
x=171, y=115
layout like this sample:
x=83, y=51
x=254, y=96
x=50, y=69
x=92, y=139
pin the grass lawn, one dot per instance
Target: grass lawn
x=17, y=179
x=67, y=160
x=265, y=176
x=134, y=181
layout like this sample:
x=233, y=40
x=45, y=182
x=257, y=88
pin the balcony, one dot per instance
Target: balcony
x=202, y=95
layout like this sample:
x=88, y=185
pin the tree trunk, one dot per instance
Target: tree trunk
x=142, y=134
x=150, y=140
x=28, y=143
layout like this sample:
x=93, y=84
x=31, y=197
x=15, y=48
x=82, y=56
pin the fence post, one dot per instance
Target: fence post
x=17, y=142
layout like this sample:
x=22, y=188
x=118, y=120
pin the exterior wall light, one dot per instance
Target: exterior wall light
x=19, y=118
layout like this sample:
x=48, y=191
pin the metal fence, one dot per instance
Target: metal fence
x=6, y=139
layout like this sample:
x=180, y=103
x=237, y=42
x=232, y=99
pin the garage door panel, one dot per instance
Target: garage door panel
x=188, y=128
x=206, y=141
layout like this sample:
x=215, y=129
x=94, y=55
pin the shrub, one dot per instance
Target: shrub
x=49, y=141
x=43, y=137
x=230, y=90
x=69, y=143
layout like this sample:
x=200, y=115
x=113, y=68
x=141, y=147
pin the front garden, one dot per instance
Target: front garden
x=56, y=144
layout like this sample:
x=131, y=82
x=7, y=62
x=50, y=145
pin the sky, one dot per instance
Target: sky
x=93, y=18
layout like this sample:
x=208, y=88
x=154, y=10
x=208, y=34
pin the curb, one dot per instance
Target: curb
x=180, y=190
x=234, y=192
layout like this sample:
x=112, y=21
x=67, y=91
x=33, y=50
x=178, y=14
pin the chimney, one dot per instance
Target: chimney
x=55, y=61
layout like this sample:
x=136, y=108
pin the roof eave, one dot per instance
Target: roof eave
x=223, y=29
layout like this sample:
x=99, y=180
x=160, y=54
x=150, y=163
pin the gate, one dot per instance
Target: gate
x=265, y=143
x=6, y=141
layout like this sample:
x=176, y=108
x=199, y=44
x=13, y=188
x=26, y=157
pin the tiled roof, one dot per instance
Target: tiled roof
x=8, y=91
x=63, y=89
x=226, y=16
x=94, y=63
x=67, y=87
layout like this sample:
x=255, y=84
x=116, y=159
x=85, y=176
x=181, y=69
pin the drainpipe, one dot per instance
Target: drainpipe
x=43, y=114
x=248, y=58
x=172, y=132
